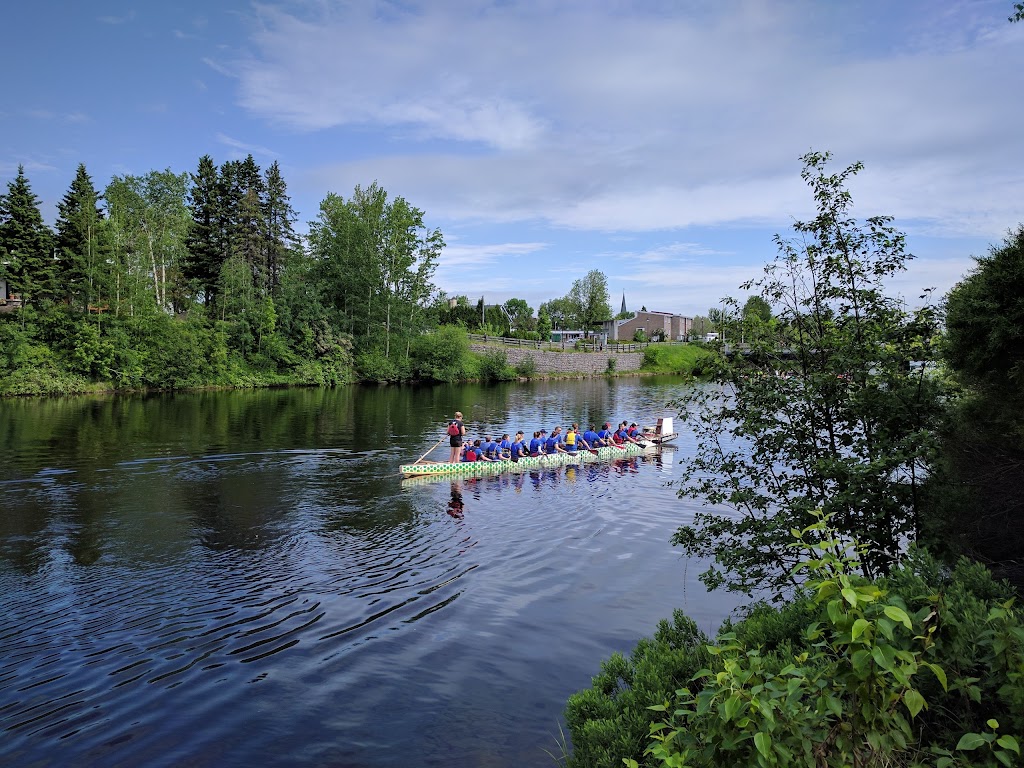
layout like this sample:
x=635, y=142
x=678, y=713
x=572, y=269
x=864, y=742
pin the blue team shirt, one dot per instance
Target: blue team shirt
x=591, y=437
x=535, y=445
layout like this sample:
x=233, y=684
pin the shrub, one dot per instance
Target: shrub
x=612, y=362
x=441, y=356
x=611, y=719
x=494, y=366
x=526, y=368
x=923, y=667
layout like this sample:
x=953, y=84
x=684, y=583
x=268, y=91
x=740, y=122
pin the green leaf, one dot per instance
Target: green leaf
x=850, y=595
x=914, y=701
x=1003, y=758
x=858, y=628
x=732, y=706
x=939, y=672
x=970, y=741
x=763, y=742
x=898, y=614
x=1008, y=742
x=992, y=723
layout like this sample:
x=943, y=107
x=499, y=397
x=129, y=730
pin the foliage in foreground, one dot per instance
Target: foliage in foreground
x=925, y=667
x=978, y=489
x=826, y=412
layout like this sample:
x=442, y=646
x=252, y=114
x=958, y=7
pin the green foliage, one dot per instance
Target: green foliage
x=923, y=667
x=526, y=368
x=848, y=426
x=373, y=365
x=611, y=718
x=441, y=356
x=977, y=489
x=82, y=244
x=494, y=366
x=639, y=336
x=374, y=259
x=589, y=300
x=26, y=243
x=612, y=363
x=544, y=324
x=42, y=380
x=677, y=358
x=985, y=321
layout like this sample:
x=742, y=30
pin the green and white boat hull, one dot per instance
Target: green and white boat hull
x=483, y=468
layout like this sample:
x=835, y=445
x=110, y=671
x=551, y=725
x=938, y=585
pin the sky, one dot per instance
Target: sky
x=658, y=141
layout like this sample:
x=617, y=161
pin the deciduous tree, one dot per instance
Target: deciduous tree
x=589, y=299
x=846, y=427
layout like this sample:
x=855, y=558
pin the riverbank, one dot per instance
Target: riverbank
x=481, y=363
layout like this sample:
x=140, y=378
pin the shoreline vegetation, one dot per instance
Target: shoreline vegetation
x=51, y=364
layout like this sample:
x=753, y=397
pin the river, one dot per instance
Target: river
x=242, y=578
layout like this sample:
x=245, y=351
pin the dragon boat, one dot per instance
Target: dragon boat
x=484, y=468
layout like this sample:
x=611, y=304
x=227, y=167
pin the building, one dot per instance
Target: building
x=672, y=327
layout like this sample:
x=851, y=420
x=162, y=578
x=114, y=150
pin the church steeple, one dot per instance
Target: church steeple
x=623, y=310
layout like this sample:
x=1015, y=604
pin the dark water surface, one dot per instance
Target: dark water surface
x=242, y=578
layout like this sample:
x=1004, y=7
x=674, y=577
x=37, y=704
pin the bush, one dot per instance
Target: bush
x=441, y=356
x=923, y=667
x=494, y=366
x=612, y=362
x=374, y=366
x=526, y=368
x=611, y=719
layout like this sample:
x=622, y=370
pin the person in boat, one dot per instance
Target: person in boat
x=488, y=448
x=537, y=443
x=622, y=436
x=505, y=447
x=519, y=448
x=590, y=438
x=633, y=431
x=572, y=438
x=456, y=433
x=469, y=452
x=605, y=435
x=554, y=442
x=481, y=453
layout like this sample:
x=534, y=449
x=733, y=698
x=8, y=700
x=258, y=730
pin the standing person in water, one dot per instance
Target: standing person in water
x=456, y=431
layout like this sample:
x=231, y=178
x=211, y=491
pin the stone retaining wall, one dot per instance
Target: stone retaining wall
x=568, y=362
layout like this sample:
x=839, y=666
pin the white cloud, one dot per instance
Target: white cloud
x=649, y=119
x=244, y=148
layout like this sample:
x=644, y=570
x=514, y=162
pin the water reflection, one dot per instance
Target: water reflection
x=230, y=578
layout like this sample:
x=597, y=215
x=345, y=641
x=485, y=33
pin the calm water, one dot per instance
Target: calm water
x=242, y=578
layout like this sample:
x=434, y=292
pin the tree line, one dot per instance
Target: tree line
x=210, y=263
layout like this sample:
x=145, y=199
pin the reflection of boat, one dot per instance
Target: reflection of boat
x=484, y=468
x=662, y=433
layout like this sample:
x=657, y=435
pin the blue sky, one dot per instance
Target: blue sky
x=656, y=141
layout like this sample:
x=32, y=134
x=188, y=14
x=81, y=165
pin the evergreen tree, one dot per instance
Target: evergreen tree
x=206, y=251
x=245, y=231
x=26, y=243
x=82, y=245
x=279, y=218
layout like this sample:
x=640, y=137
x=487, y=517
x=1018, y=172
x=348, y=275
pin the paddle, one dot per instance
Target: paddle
x=432, y=448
